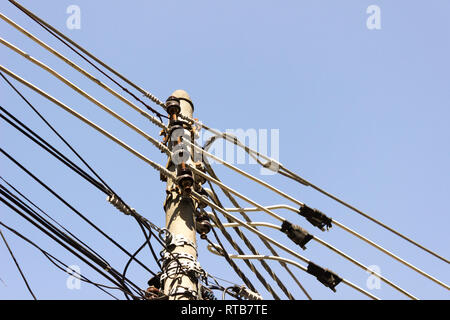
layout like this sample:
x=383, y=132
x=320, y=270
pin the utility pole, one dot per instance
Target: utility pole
x=180, y=266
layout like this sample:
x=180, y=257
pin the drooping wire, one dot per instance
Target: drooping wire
x=18, y=266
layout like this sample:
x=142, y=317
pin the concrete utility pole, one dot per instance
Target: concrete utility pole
x=180, y=210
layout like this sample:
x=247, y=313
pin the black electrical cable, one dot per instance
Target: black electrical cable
x=211, y=172
x=44, y=213
x=20, y=209
x=52, y=128
x=33, y=136
x=109, y=191
x=147, y=240
x=52, y=259
x=72, y=208
x=49, y=148
x=33, y=214
x=17, y=265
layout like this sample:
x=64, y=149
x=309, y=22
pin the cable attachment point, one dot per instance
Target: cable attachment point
x=326, y=277
x=296, y=233
x=315, y=217
x=120, y=205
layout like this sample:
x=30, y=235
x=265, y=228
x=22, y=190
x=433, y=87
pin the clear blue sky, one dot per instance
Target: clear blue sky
x=362, y=113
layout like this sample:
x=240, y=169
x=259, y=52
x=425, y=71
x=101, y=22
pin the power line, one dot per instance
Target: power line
x=103, y=186
x=44, y=213
x=17, y=265
x=64, y=241
x=48, y=27
x=75, y=66
x=162, y=148
x=271, y=163
x=71, y=207
x=287, y=173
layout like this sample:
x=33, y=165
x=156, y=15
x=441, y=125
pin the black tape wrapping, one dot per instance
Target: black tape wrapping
x=326, y=277
x=296, y=233
x=316, y=217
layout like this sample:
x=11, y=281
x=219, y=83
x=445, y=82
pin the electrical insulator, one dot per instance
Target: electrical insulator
x=203, y=225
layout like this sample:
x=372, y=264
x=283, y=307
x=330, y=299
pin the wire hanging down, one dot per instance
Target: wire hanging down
x=17, y=265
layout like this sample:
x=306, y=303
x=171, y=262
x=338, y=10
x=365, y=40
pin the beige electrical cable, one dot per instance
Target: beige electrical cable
x=155, y=142
x=76, y=67
x=46, y=25
x=151, y=139
x=88, y=122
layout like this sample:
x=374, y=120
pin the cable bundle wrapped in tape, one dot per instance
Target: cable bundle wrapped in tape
x=315, y=217
x=326, y=277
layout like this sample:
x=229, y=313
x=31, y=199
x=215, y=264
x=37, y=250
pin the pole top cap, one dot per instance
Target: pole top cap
x=183, y=96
